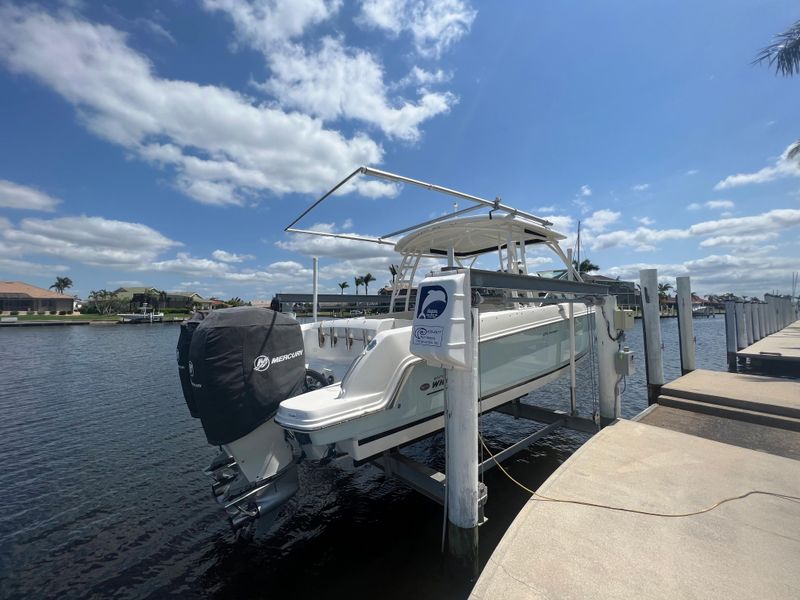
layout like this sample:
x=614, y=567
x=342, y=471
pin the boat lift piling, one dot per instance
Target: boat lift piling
x=685, y=325
x=465, y=495
x=651, y=325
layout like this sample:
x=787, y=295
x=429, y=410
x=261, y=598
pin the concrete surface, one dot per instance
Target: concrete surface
x=781, y=346
x=747, y=548
x=749, y=392
x=719, y=428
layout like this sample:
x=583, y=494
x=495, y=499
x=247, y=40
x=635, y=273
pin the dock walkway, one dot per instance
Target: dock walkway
x=781, y=349
x=711, y=437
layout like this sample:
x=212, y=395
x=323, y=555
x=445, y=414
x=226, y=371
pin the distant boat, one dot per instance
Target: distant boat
x=146, y=314
x=702, y=311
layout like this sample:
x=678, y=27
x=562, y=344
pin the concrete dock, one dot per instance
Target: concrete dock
x=781, y=349
x=711, y=437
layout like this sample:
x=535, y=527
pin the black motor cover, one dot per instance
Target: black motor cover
x=182, y=354
x=243, y=362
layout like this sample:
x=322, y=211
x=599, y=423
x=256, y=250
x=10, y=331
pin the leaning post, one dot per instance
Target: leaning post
x=685, y=324
x=730, y=334
x=651, y=324
x=741, y=333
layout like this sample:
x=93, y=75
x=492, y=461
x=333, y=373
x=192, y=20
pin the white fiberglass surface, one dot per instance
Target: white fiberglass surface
x=506, y=362
x=515, y=359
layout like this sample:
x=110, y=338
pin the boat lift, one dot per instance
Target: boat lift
x=461, y=493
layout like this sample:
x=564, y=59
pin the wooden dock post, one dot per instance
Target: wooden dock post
x=730, y=333
x=606, y=350
x=685, y=324
x=651, y=325
x=762, y=317
x=757, y=335
x=461, y=433
x=315, y=286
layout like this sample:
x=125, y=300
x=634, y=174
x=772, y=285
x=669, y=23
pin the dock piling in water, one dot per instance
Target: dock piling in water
x=685, y=324
x=606, y=350
x=651, y=325
x=730, y=333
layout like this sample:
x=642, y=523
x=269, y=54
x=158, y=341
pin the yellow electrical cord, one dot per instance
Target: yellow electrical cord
x=542, y=498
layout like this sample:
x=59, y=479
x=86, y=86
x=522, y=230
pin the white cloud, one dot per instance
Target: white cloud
x=13, y=195
x=720, y=204
x=27, y=268
x=434, y=25
x=691, y=172
x=738, y=241
x=545, y=209
x=585, y=191
x=783, y=167
x=242, y=147
x=752, y=229
x=773, y=220
x=750, y=274
x=262, y=23
x=599, y=220
x=641, y=187
x=230, y=257
x=340, y=83
x=641, y=239
x=645, y=220
x=89, y=240
x=694, y=206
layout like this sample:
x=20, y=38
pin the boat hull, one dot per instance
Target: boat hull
x=519, y=352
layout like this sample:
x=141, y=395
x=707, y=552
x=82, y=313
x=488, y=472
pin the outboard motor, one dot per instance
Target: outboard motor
x=182, y=354
x=242, y=363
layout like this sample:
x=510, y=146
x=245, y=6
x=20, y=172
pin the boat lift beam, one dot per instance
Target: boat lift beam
x=432, y=483
x=530, y=283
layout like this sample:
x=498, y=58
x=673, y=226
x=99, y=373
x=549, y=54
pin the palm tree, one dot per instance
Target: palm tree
x=663, y=290
x=586, y=266
x=367, y=279
x=359, y=281
x=784, y=55
x=235, y=301
x=344, y=285
x=61, y=284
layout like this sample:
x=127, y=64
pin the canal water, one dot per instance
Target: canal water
x=103, y=495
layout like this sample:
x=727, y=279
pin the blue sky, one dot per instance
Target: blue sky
x=169, y=143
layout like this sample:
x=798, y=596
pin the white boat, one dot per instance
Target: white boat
x=146, y=314
x=702, y=310
x=387, y=397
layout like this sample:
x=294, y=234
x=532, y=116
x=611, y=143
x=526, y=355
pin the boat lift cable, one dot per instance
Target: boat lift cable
x=542, y=498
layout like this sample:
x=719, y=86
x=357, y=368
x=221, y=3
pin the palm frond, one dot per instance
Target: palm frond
x=783, y=53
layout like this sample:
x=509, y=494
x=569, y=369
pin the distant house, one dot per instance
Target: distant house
x=136, y=296
x=188, y=300
x=19, y=296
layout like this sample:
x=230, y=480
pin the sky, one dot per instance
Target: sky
x=169, y=143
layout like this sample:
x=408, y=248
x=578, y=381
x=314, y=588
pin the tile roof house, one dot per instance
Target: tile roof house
x=20, y=296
